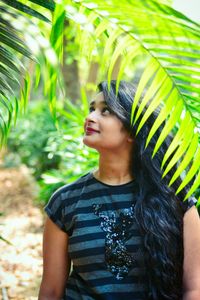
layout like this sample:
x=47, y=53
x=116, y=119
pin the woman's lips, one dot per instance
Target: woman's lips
x=90, y=131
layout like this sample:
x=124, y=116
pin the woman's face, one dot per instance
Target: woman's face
x=103, y=130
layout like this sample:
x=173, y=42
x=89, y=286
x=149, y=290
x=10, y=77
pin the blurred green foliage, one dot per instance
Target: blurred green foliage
x=75, y=158
x=29, y=137
x=54, y=153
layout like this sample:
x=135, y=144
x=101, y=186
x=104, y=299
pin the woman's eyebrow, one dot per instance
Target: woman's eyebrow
x=94, y=102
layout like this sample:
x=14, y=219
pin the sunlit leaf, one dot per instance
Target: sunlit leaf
x=187, y=158
x=178, y=137
x=26, y=9
x=169, y=125
x=181, y=149
x=194, y=186
x=149, y=71
x=165, y=111
x=191, y=173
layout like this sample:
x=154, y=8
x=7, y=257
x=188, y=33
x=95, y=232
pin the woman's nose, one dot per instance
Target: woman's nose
x=92, y=116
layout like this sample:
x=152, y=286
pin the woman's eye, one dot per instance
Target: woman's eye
x=91, y=109
x=106, y=110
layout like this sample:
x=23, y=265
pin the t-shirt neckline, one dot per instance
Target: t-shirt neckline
x=111, y=185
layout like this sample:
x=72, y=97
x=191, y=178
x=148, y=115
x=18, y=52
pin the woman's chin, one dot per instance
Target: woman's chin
x=88, y=142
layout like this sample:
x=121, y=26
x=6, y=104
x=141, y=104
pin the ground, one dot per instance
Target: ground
x=22, y=225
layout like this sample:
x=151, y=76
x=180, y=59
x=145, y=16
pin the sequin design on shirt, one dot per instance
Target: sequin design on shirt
x=118, y=260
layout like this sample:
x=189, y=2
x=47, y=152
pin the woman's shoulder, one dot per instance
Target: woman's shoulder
x=65, y=197
x=72, y=186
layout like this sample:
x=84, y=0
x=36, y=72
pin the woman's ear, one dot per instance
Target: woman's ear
x=130, y=139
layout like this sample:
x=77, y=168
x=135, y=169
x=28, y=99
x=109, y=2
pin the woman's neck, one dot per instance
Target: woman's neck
x=114, y=169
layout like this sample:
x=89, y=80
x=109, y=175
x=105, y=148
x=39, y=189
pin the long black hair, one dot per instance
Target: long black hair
x=158, y=211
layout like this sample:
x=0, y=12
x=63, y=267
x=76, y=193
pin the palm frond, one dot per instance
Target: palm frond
x=26, y=9
x=56, y=40
x=50, y=4
x=169, y=45
x=13, y=47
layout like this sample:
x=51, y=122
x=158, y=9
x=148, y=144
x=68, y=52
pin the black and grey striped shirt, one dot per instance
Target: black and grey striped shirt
x=105, y=243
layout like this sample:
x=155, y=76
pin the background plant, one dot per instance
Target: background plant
x=27, y=140
x=55, y=156
x=75, y=158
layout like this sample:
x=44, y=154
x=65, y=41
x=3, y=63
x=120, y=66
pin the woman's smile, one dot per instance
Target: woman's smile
x=90, y=131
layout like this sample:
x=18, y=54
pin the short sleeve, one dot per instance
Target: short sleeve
x=187, y=204
x=55, y=210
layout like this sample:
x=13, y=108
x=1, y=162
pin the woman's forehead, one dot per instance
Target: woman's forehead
x=98, y=100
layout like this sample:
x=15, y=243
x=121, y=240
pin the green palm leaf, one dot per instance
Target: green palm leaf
x=26, y=9
x=169, y=44
x=13, y=46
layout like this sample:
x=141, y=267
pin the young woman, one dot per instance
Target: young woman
x=121, y=227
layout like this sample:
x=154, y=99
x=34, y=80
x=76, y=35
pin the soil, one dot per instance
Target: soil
x=22, y=225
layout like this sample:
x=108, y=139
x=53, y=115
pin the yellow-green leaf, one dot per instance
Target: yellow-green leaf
x=187, y=158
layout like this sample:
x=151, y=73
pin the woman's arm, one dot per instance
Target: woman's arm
x=191, y=266
x=56, y=264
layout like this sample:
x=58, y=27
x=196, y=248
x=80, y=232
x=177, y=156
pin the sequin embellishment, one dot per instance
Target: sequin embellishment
x=118, y=260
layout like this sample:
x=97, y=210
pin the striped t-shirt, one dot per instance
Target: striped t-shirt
x=105, y=244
